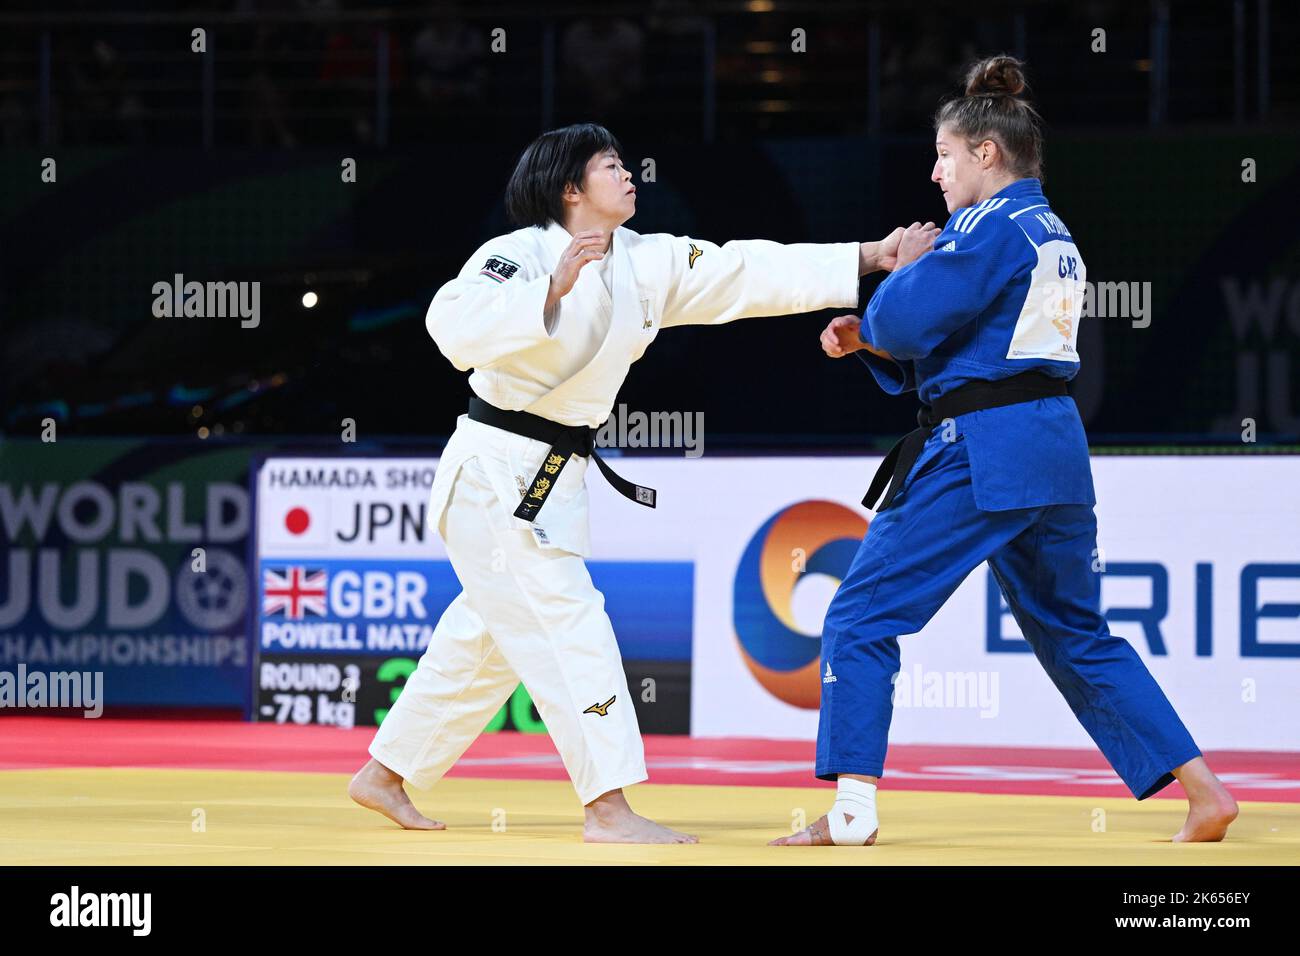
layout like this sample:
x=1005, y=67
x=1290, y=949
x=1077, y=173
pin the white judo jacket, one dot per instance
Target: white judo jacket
x=568, y=364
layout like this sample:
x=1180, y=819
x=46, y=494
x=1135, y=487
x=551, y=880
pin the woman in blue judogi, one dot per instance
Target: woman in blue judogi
x=981, y=319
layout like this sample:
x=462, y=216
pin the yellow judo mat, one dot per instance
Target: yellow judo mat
x=186, y=817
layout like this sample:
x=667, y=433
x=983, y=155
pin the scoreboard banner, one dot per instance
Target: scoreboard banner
x=350, y=584
x=717, y=597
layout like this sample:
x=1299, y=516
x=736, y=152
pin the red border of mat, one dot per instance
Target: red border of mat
x=46, y=742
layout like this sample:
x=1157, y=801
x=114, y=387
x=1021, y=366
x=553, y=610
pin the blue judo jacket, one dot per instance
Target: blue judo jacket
x=1001, y=293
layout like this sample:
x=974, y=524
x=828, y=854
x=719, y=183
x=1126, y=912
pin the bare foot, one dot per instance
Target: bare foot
x=1207, y=824
x=376, y=787
x=632, y=829
x=818, y=833
x=611, y=820
x=1210, y=807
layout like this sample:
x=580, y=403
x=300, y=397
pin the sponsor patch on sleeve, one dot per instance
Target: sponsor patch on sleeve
x=499, y=268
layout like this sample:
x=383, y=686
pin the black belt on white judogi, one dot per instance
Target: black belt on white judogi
x=565, y=440
x=971, y=397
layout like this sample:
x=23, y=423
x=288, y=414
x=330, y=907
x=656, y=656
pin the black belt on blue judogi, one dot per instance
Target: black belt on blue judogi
x=971, y=397
x=565, y=440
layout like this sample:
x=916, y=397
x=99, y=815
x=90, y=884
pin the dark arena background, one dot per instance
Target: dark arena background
x=212, y=535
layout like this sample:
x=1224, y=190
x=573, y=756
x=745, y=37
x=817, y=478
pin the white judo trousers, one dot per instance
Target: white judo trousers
x=528, y=610
x=527, y=613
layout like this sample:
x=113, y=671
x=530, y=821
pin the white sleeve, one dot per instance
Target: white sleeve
x=710, y=284
x=492, y=309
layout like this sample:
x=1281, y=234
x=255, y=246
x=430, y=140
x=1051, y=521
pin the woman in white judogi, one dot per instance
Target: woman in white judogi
x=547, y=336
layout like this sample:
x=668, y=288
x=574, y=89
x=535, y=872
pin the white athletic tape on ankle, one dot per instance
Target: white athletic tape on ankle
x=857, y=799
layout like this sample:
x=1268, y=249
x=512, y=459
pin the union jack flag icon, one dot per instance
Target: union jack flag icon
x=294, y=592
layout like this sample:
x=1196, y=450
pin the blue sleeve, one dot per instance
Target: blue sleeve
x=926, y=301
x=895, y=377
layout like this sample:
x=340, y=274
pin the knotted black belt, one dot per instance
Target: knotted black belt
x=971, y=397
x=565, y=440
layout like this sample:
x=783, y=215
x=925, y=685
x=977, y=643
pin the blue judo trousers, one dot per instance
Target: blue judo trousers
x=1000, y=293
